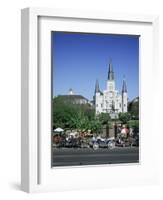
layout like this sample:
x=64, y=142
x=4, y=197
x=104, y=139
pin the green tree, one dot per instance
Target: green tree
x=133, y=109
x=95, y=126
x=71, y=116
x=124, y=117
x=104, y=118
x=80, y=121
x=62, y=113
x=133, y=123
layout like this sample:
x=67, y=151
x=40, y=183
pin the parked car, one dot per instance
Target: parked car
x=72, y=143
x=102, y=143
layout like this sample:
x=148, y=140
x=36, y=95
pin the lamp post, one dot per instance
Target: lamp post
x=115, y=126
x=107, y=130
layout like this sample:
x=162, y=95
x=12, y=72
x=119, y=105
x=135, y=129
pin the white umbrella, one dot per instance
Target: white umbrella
x=58, y=130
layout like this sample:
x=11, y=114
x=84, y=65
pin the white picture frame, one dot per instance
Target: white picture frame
x=36, y=171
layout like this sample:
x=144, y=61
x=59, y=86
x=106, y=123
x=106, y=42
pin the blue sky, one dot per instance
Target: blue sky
x=79, y=59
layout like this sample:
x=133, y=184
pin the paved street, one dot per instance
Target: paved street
x=70, y=156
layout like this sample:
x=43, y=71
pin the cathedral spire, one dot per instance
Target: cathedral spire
x=110, y=72
x=97, y=88
x=124, y=86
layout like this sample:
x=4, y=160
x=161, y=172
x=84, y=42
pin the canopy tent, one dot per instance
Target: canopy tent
x=58, y=130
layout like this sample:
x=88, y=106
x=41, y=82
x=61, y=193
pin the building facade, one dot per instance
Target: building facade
x=73, y=98
x=110, y=100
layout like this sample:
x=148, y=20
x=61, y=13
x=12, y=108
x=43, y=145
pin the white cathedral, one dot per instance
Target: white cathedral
x=110, y=100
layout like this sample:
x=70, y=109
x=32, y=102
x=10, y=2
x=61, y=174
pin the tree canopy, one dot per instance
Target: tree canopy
x=66, y=114
x=69, y=115
x=133, y=108
x=124, y=117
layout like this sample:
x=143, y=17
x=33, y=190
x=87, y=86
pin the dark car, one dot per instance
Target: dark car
x=103, y=143
x=72, y=143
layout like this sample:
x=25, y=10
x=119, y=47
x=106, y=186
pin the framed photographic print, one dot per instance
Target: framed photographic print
x=88, y=81
x=94, y=126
